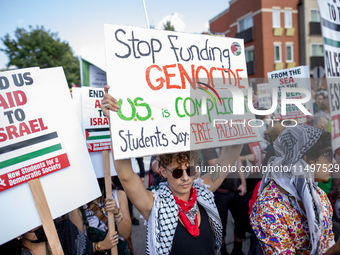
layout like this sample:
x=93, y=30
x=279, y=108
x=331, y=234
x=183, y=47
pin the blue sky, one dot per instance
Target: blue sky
x=80, y=23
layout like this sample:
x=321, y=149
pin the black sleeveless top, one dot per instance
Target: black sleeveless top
x=204, y=243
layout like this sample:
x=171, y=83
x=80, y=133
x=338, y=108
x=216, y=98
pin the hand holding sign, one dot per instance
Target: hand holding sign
x=171, y=102
x=110, y=241
x=109, y=103
x=46, y=151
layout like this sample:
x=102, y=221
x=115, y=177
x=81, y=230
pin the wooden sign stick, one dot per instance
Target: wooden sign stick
x=108, y=190
x=45, y=216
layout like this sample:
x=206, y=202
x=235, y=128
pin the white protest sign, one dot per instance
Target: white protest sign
x=264, y=96
x=76, y=99
x=330, y=22
x=95, y=124
x=96, y=156
x=154, y=76
x=65, y=189
x=295, y=78
x=30, y=144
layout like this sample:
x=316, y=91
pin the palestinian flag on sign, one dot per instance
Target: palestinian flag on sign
x=97, y=133
x=30, y=159
x=98, y=139
x=29, y=149
x=91, y=75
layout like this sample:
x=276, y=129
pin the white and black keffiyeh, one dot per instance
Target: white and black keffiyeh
x=163, y=218
x=298, y=181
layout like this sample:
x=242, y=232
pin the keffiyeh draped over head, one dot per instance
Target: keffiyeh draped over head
x=296, y=177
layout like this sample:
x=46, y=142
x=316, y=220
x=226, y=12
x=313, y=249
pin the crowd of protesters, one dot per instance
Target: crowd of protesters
x=284, y=212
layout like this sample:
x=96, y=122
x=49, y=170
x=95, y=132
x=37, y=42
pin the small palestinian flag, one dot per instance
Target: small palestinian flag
x=236, y=48
x=98, y=139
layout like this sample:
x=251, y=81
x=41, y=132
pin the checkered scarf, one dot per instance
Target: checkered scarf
x=290, y=147
x=163, y=218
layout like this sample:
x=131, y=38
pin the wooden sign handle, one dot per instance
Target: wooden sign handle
x=45, y=216
x=108, y=190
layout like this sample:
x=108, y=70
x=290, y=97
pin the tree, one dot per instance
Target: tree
x=40, y=47
x=168, y=26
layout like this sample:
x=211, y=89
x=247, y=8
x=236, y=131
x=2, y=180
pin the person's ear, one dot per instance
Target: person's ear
x=307, y=160
x=162, y=170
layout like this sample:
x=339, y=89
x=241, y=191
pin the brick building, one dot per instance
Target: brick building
x=270, y=32
x=311, y=45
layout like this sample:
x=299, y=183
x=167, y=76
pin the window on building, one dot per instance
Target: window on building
x=316, y=50
x=288, y=19
x=289, y=53
x=314, y=16
x=245, y=23
x=276, y=18
x=249, y=55
x=277, y=53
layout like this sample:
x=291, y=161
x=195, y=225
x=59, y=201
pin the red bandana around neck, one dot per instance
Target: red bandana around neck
x=186, y=206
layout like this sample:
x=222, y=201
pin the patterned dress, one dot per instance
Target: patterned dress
x=282, y=228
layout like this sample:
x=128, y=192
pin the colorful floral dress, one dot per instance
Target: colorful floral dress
x=280, y=226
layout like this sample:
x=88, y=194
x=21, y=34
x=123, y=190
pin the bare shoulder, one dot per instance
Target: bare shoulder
x=121, y=194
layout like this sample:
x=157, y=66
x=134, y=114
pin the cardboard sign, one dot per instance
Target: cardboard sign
x=96, y=156
x=91, y=75
x=297, y=77
x=172, y=87
x=95, y=124
x=330, y=21
x=264, y=96
x=48, y=99
x=31, y=146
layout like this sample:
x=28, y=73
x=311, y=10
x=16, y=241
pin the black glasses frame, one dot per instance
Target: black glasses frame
x=178, y=173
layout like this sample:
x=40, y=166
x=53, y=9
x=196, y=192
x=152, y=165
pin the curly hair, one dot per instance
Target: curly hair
x=323, y=143
x=179, y=158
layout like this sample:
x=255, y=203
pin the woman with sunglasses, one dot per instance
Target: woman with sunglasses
x=291, y=214
x=182, y=215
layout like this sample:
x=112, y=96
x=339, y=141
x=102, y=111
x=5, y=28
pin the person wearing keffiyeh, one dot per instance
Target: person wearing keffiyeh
x=291, y=214
x=182, y=215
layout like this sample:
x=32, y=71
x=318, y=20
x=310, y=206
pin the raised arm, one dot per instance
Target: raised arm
x=225, y=162
x=141, y=198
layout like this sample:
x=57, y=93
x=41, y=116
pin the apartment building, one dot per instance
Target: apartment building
x=270, y=30
x=311, y=48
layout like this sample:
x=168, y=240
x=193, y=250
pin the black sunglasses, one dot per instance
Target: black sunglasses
x=178, y=173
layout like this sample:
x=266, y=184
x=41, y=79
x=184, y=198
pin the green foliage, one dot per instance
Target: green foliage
x=168, y=26
x=40, y=47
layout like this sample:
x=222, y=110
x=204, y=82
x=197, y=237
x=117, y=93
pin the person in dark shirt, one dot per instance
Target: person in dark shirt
x=178, y=200
x=228, y=197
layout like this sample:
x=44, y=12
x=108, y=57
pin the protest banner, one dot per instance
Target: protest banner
x=96, y=156
x=96, y=127
x=264, y=96
x=295, y=78
x=30, y=144
x=330, y=21
x=95, y=124
x=172, y=87
x=91, y=75
x=35, y=103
